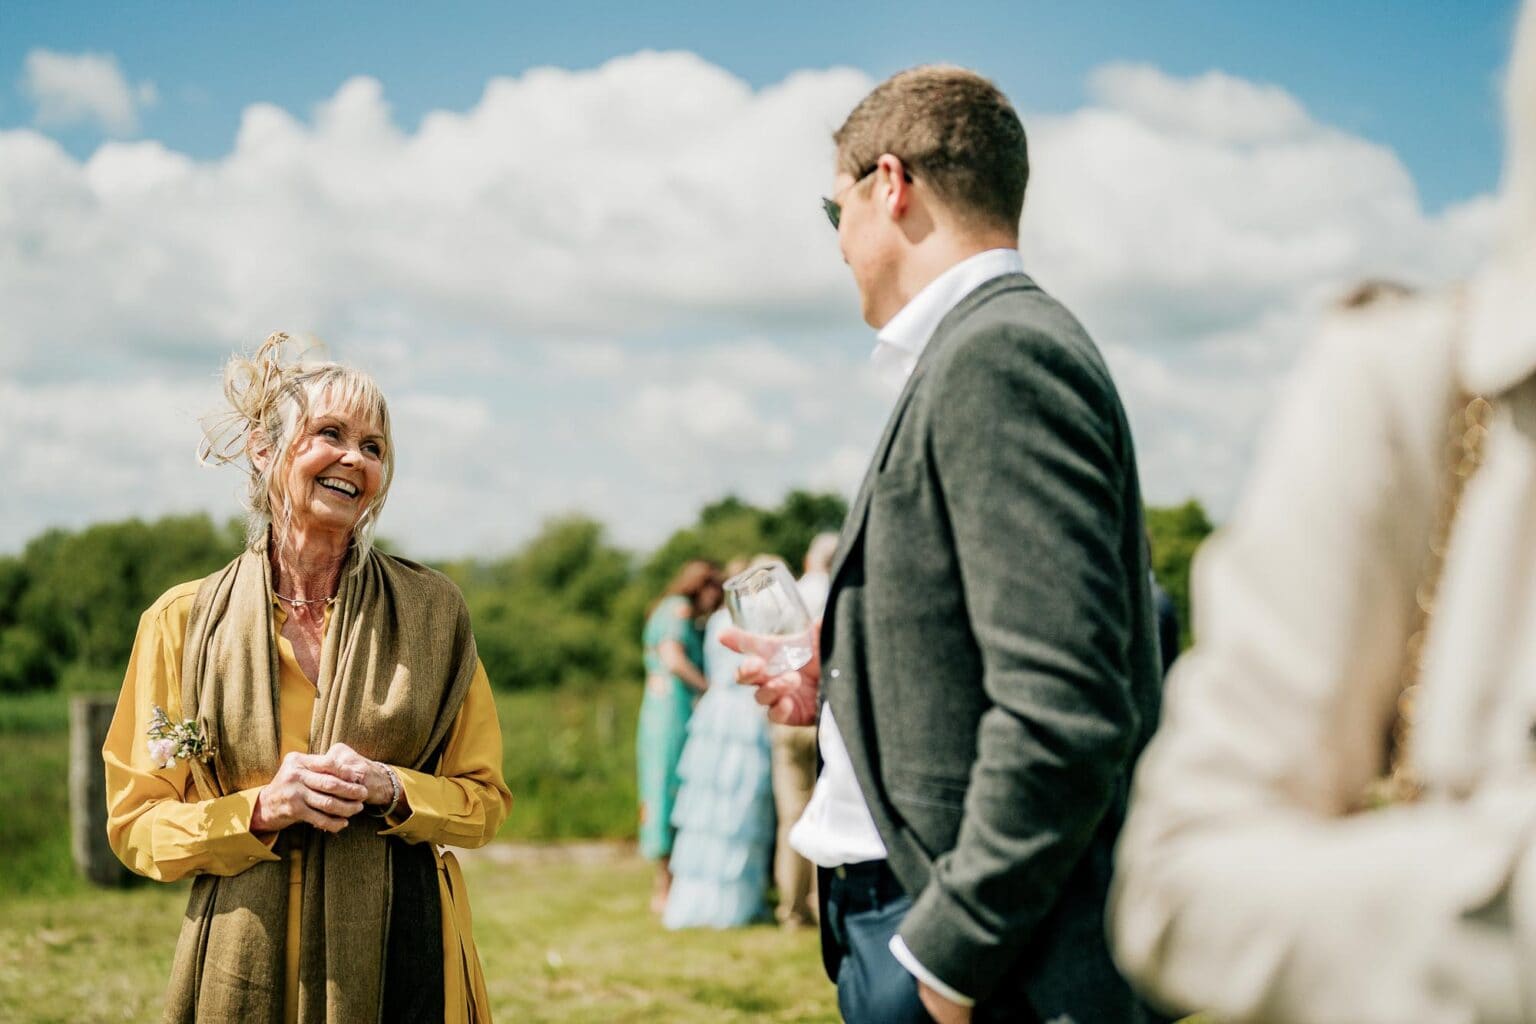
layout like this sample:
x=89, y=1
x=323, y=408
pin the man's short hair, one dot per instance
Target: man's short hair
x=954, y=130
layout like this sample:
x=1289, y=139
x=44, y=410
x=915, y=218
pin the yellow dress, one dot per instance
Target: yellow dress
x=159, y=828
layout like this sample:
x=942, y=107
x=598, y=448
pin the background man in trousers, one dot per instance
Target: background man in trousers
x=794, y=764
x=988, y=664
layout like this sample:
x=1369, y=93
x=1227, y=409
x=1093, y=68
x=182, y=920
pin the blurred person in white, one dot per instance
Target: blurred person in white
x=794, y=764
x=1251, y=883
x=817, y=579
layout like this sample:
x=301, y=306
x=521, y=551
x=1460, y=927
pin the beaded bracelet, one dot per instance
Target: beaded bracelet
x=394, y=792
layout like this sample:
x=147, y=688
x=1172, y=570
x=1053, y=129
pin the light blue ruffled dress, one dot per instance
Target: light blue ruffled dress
x=724, y=814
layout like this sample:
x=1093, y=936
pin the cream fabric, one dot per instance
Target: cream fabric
x=1246, y=886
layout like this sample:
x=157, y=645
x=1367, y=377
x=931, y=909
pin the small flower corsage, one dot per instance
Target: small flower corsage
x=170, y=742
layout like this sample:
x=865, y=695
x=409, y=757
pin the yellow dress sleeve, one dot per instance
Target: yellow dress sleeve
x=467, y=800
x=155, y=823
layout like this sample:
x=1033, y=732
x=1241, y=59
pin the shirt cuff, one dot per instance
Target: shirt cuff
x=904, y=957
x=230, y=839
x=419, y=822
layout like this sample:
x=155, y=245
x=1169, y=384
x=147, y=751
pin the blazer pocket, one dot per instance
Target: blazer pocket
x=929, y=789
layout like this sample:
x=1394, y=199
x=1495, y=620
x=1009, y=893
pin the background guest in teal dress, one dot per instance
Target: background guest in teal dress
x=724, y=813
x=673, y=640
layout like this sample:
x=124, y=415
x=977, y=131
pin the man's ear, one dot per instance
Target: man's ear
x=892, y=175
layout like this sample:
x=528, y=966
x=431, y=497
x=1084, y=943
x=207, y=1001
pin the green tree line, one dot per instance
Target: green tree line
x=565, y=608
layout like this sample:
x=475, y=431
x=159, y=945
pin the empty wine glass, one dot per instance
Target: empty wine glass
x=765, y=602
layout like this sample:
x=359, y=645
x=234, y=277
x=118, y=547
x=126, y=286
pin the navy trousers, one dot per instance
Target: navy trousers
x=865, y=907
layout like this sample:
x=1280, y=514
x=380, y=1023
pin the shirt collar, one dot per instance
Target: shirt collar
x=902, y=340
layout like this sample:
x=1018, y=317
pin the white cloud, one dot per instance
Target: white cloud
x=74, y=451
x=708, y=412
x=613, y=289
x=73, y=88
x=456, y=466
x=747, y=398
x=745, y=417
x=1199, y=226
x=841, y=469
x=1156, y=210
x=1214, y=105
x=654, y=189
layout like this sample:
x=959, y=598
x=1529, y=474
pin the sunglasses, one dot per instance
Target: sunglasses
x=834, y=209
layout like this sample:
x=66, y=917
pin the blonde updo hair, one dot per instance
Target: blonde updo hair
x=269, y=397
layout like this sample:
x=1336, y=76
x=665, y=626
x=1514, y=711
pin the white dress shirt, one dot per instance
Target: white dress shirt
x=836, y=827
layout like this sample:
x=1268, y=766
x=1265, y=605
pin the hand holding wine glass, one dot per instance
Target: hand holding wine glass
x=776, y=633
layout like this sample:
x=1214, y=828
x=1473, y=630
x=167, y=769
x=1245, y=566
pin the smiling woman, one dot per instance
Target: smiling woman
x=303, y=729
x=279, y=404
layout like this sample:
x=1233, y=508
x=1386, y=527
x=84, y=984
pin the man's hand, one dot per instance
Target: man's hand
x=790, y=698
x=940, y=1009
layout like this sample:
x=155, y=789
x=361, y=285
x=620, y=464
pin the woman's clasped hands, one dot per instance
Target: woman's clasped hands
x=323, y=790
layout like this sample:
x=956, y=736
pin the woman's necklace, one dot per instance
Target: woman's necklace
x=300, y=602
x=304, y=602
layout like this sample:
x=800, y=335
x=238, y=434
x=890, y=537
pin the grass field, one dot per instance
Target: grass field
x=34, y=830
x=560, y=941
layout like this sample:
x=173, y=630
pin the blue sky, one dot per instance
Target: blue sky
x=1417, y=75
x=582, y=250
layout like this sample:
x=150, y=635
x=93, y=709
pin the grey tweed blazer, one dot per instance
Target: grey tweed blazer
x=989, y=648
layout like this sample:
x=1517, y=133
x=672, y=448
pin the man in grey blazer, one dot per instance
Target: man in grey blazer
x=988, y=663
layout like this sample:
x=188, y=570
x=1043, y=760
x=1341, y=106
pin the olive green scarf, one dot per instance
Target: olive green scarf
x=396, y=664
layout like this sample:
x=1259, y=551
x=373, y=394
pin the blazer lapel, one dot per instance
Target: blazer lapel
x=854, y=524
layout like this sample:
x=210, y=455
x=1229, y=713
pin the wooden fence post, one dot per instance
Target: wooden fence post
x=89, y=718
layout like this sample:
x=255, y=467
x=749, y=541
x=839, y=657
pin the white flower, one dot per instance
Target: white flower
x=163, y=752
x=171, y=743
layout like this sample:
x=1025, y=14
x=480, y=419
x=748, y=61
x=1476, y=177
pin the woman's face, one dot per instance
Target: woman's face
x=335, y=469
